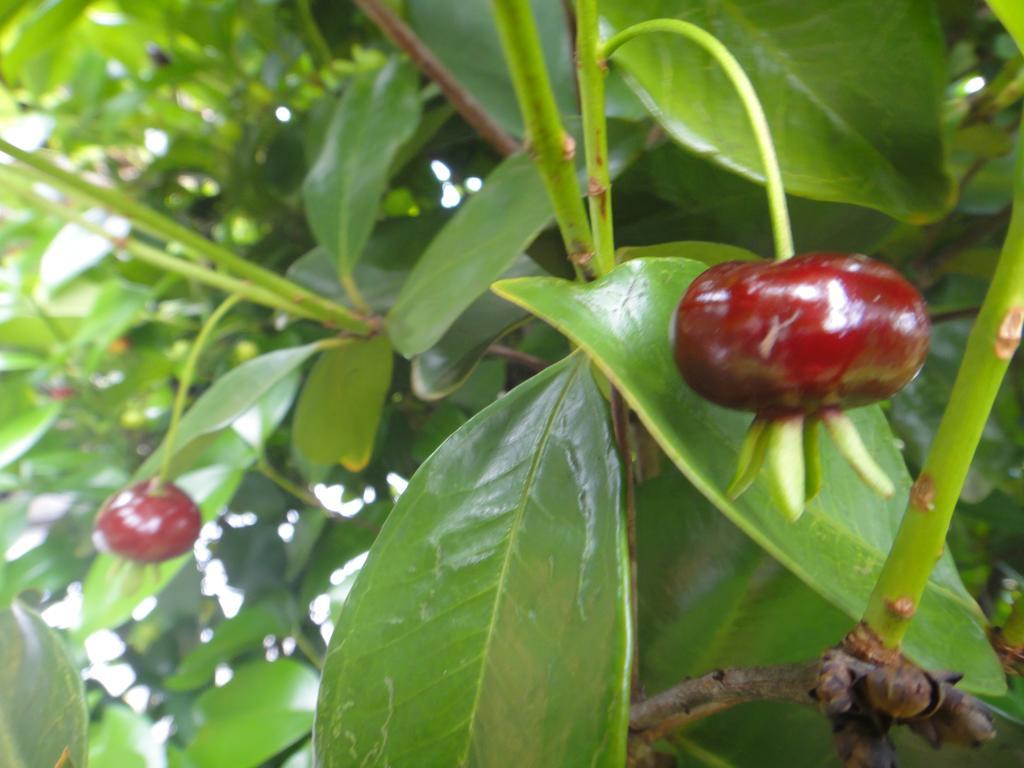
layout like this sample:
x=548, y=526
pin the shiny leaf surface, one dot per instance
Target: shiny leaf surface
x=622, y=321
x=488, y=626
x=483, y=240
x=376, y=115
x=837, y=140
x=42, y=702
x=22, y=432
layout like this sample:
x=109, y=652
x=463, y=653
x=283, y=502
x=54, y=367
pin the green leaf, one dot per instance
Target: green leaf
x=42, y=701
x=41, y=31
x=19, y=434
x=377, y=114
x=264, y=708
x=123, y=739
x=340, y=406
x=464, y=37
x=231, y=396
x=484, y=239
x=11, y=360
x=257, y=424
x=445, y=366
x=877, y=146
x=113, y=587
x=1011, y=14
x=488, y=626
x=707, y=254
x=622, y=321
x=244, y=631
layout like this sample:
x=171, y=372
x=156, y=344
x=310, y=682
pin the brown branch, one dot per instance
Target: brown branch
x=515, y=356
x=465, y=104
x=620, y=421
x=699, y=697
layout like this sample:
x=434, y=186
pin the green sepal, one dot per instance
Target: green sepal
x=786, y=464
x=812, y=459
x=851, y=447
x=752, y=452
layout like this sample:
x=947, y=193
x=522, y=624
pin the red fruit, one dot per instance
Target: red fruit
x=148, y=522
x=814, y=331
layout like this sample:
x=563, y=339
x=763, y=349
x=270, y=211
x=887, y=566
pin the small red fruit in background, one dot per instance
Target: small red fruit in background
x=796, y=341
x=148, y=522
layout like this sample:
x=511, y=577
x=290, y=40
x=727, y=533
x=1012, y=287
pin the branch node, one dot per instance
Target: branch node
x=922, y=494
x=901, y=607
x=1008, y=337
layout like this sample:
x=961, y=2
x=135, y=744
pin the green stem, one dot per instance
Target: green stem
x=552, y=148
x=1013, y=629
x=591, y=69
x=156, y=224
x=755, y=113
x=319, y=49
x=922, y=533
x=157, y=258
x=185, y=382
x=286, y=485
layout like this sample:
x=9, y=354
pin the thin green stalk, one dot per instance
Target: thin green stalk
x=154, y=223
x=922, y=533
x=755, y=113
x=185, y=382
x=157, y=258
x=552, y=148
x=591, y=69
x=319, y=48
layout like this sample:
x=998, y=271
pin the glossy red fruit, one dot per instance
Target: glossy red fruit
x=148, y=522
x=814, y=331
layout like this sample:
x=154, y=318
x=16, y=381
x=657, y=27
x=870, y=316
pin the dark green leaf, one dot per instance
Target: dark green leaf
x=377, y=114
x=878, y=146
x=264, y=708
x=483, y=240
x=488, y=626
x=445, y=366
x=623, y=321
x=708, y=254
x=463, y=36
x=42, y=702
x=340, y=406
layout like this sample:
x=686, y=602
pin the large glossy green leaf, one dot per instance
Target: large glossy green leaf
x=488, y=626
x=19, y=434
x=40, y=31
x=264, y=708
x=42, y=702
x=123, y=739
x=839, y=544
x=463, y=36
x=341, y=403
x=377, y=114
x=231, y=396
x=113, y=588
x=852, y=90
x=483, y=240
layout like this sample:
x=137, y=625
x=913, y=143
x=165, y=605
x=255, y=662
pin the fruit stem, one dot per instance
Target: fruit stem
x=185, y=382
x=921, y=537
x=781, y=228
x=551, y=147
x=591, y=71
x=151, y=222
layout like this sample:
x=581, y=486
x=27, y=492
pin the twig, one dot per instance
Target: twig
x=954, y=314
x=463, y=101
x=513, y=355
x=620, y=421
x=307, y=498
x=699, y=697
